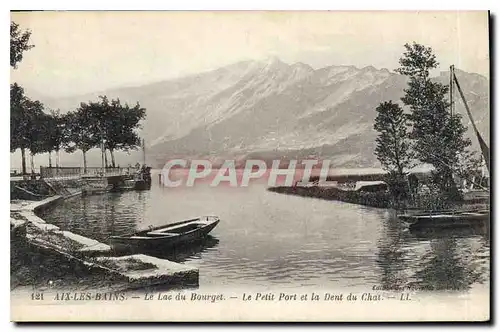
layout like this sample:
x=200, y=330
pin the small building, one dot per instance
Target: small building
x=370, y=186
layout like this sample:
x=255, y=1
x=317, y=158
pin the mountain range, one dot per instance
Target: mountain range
x=270, y=109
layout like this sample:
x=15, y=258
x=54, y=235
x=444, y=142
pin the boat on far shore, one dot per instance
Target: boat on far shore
x=447, y=218
x=141, y=180
x=179, y=233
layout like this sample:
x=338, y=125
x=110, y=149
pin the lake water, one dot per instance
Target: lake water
x=267, y=240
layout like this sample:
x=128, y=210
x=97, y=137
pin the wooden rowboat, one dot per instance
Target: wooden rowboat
x=169, y=235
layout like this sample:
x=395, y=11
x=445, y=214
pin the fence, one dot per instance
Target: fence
x=17, y=174
x=78, y=172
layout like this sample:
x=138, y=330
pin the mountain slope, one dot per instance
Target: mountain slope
x=271, y=109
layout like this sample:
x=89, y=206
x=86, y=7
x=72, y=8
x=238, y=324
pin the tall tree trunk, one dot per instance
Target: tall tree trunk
x=57, y=158
x=111, y=152
x=50, y=159
x=32, y=161
x=23, y=160
x=84, y=162
x=105, y=158
x=447, y=185
x=453, y=193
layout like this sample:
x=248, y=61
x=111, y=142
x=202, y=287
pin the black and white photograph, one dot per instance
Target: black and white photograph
x=240, y=166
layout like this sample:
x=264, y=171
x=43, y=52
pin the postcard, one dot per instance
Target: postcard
x=250, y=166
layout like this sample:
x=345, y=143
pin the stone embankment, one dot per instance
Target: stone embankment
x=136, y=270
x=372, y=199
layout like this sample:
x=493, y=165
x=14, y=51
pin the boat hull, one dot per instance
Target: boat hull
x=142, y=185
x=145, y=243
x=134, y=184
x=444, y=220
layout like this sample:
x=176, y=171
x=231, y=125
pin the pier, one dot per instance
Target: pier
x=67, y=181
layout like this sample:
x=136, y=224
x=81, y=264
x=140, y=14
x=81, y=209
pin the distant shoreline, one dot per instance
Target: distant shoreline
x=377, y=200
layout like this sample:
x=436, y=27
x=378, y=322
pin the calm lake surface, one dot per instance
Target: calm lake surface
x=271, y=240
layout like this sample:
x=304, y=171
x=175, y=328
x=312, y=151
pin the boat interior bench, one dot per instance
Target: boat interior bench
x=160, y=233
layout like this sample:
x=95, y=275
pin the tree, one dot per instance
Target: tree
x=19, y=129
x=99, y=115
x=27, y=124
x=122, y=133
x=18, y=123
x=104, y=121
x=32, y=129
x=115, y=123
x=393, y=146
x=35, y=137
x=438, y=135
x=81, y=133
x=19, y=43
x=56, y=135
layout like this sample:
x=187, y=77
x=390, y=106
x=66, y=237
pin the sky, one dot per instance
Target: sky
x=80, y=52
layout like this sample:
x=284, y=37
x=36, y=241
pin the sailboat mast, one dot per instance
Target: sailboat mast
x=484, y=148
x=452, y=69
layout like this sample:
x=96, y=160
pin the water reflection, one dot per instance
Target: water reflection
x=392, y=255
x=182, y=253
x=445, y=267
x=266, y=238
x=480, y=229
x=433, y=258
x=98, y=216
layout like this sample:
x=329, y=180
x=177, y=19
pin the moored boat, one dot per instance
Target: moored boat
x=95, y=186
x=445, y=218
x=169, y=235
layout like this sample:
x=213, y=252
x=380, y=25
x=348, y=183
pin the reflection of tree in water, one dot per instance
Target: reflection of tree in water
x=446, y=267
x=103, y=213
x=454, y=261
x=459, y=257
x=391, y=255
x=117, y=217
x=474, y=230
x=98, y=216
x=484, y=231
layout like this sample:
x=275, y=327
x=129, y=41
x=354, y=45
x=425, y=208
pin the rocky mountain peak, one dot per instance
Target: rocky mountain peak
x=268, y=108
